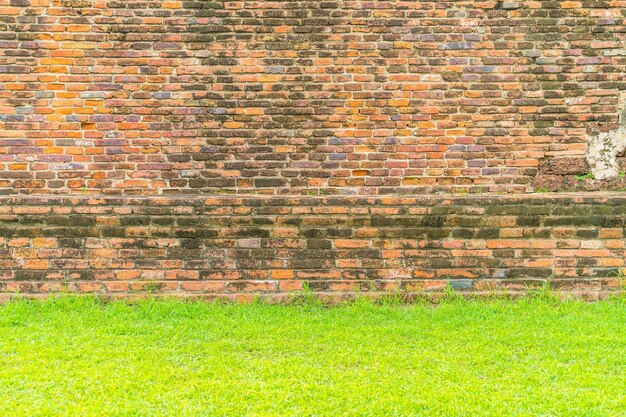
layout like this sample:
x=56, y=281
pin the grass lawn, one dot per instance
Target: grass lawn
x=84, y=357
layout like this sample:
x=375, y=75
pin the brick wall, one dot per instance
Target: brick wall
x=340, y=129
x=236, y=246
x=295, y=97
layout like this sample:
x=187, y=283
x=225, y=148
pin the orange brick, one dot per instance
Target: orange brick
x=35, y=264
x=351, y=243
x=282, y=274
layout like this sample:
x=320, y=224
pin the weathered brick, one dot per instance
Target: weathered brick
x=507, y=255
x=317, y=138
x=276, y=116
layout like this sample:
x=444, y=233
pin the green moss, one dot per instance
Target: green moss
x=588, y=176
x=551, y=85
x=152, y=286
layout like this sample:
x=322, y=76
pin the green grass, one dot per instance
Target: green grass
x=84, y=357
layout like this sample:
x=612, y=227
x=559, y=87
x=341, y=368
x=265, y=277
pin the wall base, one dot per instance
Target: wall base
x=238, y=246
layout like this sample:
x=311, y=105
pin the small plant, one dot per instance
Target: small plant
x=393, y=298
x=543, y=293
x=587, y=176
x=451, y=295
x=257, y=300
x=542, y=190
x=622, y=174
x=306, y=298
x=620, y=273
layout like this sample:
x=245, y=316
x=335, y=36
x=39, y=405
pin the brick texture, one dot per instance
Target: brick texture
x=304, y=97
x=234, y=246
x=217, y=148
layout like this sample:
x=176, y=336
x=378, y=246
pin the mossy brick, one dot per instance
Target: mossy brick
x=312, y=264
x=57, y=220
x=185, y=233
x=29, y=232
x=529, y=272
x=537, y=232
x=438, y=233
x=396, y=221
x=162, y=221
x=134, y=221
x=70, y=242
x=32, y=220
x=612, y=221
x=319, y=286
x=507, y=209
x=466, y=233
x=316, y=254
x=575, y=210
x=113, y=232
x=183, y=254
x=587, y=233
x=190, y=243
x=572, y=221
x=443, y=210
x=82, y=221
x=535, y=253
x=366, y=254
x=532, y=221
x=503, y=253
x=606, y=209
x=29, y=275
x=327, y=233
x=207, y=233
x=394, y=233
x=8, y=232
x=161, y=232
x=82, y=275
x=466, y=221
x=413, y=233
x=439, y=263
x=483, y=233
x=586, y=262
x=434, y=221
x=244, y=232
x=319, y=243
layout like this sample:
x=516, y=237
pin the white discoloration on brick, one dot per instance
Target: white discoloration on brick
x=603, y=149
